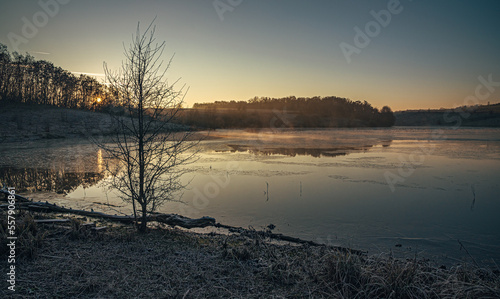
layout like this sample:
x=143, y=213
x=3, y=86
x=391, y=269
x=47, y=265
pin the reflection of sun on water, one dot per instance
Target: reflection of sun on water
x=98, y=100
x=99, y=160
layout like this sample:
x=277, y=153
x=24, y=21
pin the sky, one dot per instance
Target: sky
x=405, y=54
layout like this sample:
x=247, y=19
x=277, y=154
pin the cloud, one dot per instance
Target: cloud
x=41, y=53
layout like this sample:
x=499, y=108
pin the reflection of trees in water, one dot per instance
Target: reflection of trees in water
x=292, y=152
x=314, y=152
x=33, y=179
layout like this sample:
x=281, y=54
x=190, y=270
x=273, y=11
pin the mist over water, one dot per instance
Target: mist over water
x=326, y=185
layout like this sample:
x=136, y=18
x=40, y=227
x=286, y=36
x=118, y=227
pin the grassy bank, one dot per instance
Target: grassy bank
x=25, y=122
x=29, y=122
x=71, y=261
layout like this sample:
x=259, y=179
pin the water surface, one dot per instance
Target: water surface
x=402, y=190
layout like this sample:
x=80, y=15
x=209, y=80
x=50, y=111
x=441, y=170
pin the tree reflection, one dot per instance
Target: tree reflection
x=36, y=179
x=302, y=151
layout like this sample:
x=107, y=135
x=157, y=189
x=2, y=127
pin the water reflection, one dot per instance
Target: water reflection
x=452, y=195
x=301, y=151
x=57, y=166
x=100, y=161
x=34, y=179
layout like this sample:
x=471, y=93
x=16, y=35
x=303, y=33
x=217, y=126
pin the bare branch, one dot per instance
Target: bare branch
x=147, y=147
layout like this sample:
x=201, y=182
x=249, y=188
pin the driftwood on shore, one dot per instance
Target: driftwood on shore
x=169, y=219
x=51, y=221
x=19, y=198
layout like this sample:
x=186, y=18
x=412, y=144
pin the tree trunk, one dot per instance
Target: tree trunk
x=142, y=197
x=144, y=221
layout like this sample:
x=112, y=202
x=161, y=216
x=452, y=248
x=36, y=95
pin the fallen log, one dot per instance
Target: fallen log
x=281, y=237
x=169, y=219
x=51, y=221
x=19, y=198
x=97, y=229
x=90, y=224
x=185, y=222
x=269, y=234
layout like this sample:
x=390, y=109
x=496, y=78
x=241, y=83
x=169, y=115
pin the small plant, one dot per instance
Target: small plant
x=239, y=253
x=343, y=270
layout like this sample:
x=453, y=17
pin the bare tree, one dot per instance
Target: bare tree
x=149, y=149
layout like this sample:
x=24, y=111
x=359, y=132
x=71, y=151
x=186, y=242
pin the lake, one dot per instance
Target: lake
x=406, y=191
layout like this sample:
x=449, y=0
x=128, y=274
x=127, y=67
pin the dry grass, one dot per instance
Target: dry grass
x=72, y=262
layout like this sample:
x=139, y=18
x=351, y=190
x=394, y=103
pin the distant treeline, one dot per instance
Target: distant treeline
x=26, y=80
x=287, y=112
x=471, y=116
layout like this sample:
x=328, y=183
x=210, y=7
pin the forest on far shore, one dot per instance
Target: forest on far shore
x=287, y=112
x=25, y=80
